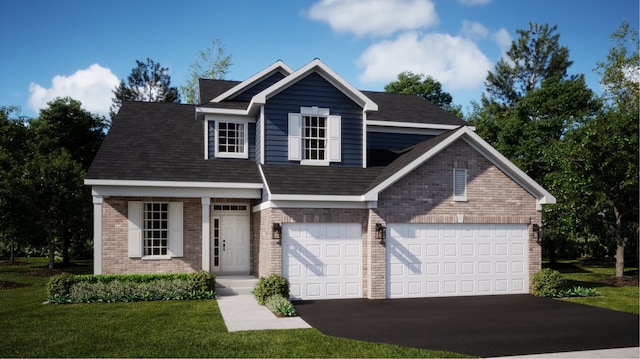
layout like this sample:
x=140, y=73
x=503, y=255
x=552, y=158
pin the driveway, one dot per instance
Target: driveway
x=481, y=326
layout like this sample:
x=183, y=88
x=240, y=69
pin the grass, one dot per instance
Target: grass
x=591, y=274
x=152, y=329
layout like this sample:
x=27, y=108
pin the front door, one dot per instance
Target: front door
x=230, y=239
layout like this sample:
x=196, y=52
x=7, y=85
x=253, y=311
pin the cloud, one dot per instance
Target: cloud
x=454, y=61
x=91, y=86
x=474, y=2
x=375, y=17
x=474, y=30
x=503, y=39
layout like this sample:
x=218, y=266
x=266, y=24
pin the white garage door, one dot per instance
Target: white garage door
x=437, y=260
x=322, y=261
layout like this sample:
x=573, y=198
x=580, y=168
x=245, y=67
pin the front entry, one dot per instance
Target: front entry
x=230, y=238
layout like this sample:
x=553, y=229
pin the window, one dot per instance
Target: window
x=155, y=234
x=155, y=229
x=459, y=184
x=231, y=139
x=314, y=136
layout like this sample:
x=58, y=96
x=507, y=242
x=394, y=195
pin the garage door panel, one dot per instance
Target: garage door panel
x=456, y=259
x=322, y=261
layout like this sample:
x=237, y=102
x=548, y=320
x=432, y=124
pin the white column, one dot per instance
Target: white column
x=206, y=233
x=97, y=234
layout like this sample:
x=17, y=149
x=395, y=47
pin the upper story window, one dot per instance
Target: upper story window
x=314, y=136
x=231, y=138
x=459, y=184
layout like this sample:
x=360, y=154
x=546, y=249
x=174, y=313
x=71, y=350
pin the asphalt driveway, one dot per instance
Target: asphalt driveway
x=481, y=326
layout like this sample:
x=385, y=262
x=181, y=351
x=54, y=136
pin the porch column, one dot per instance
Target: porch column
x=206, y=232
x=97, y=234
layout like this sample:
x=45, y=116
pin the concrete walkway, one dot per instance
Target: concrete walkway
x=242, y=312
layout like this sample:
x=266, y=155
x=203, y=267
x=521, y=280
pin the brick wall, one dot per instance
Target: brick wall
x=115, y=227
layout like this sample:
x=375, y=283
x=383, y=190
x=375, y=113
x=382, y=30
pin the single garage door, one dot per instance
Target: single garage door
x=439, y=260
x=322, y=261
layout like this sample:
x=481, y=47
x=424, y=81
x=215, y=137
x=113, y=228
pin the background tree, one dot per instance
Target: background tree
x=148, y=82
x=426, y=87
x=211, y=63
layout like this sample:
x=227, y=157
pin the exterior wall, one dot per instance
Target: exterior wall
x=257, y=88
x=313, y=90
x=426, y=196
x=115, y=227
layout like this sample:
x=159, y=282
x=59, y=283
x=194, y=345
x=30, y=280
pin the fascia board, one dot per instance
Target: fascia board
x=326, y=73
x=224, y=111
x=187, y=192
x=313, y=204
x=174, y=184
x=277, y=66
x=431, y=126
x=313, y=198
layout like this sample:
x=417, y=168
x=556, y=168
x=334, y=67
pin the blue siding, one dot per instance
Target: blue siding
x=313, y=90
x=247, y=94
x=394, y=141
x=212, y=137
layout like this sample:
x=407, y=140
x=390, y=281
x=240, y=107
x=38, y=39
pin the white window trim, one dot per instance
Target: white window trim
x=333, y=151
x=175, y=240
x=461, y=198
x=245, y=153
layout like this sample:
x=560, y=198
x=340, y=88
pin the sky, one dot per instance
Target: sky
x=83, y=48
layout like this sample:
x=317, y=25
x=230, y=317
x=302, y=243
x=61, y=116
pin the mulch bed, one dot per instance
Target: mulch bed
x=12, y=285
x=45, y=272
x=12, y=263
x=619, y=282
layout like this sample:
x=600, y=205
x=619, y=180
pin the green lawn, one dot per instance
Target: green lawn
x=591, y=273
x=30, y=328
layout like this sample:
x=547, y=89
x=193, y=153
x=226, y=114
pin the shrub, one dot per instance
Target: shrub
x=60, y=285
x=547, y=283
x=578, y=291
x=273, y=284
x=202, y=281
x=280, y=305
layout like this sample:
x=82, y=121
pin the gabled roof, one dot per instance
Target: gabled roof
x=278, y=66
x=162, y=142
x=209, y=88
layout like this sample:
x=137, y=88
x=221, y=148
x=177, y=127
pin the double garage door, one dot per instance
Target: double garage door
x=324, y=261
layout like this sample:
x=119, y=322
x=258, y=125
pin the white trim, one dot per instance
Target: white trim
x=278, y=66
x=206, y=233
x=311, y=198
x=174, y=184
x=431, y=126
x=328, y=74
x=245, y=151
x=264, y=180
x=405, y=131
x=206, y=139
x=142, y=191
x=313, y=204
x=516, y=174
x=97, y=234
x=224, y=111
x=314, y=162
x=262, y=139
x=364, y=139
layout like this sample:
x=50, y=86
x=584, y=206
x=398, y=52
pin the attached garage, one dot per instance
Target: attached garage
x=436, y=260
x=322, y=260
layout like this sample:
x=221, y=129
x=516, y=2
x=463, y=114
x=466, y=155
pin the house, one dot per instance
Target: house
x=347, y=193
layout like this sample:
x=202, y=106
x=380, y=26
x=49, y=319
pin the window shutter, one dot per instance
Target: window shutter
x=135, y=229
x=295, y=137
x=459, y=184
x=176, y=226
x=335, y=134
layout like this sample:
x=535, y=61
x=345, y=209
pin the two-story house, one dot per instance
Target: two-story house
x=347, y=193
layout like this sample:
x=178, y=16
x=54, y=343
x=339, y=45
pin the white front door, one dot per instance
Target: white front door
x=230, y=241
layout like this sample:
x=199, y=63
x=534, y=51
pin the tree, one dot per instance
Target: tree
x=426, y=87
x=64, y=141
x=608, y=149
x=211, y=63
x=148, y=82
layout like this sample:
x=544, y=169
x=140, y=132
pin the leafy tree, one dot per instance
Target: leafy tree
x=148, y=82
x=211, y=63
x=426, y=87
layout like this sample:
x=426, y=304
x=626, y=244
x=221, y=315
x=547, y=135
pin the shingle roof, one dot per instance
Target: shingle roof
x=312, y=180
x=409, y=108
x=210, y=89
x=163, y=142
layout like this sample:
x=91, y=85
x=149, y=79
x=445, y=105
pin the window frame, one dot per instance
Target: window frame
x=244, y=154
x=457, y=197
x=298, y=139
x=145, y=230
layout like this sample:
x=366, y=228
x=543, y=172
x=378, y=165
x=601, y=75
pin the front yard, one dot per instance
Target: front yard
x=192, y=328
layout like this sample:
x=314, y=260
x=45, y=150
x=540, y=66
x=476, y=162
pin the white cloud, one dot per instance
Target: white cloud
x=503, y=39
x=454, y=61
x=474, y=2
x=375, y=17
x=91, y=86
x=474, y=30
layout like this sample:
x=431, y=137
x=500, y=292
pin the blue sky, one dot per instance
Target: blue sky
x=82, y=48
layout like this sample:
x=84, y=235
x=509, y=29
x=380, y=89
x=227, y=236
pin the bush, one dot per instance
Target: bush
x=60, y=285
x=579, y=291
x=273, y=284
x=547, y=283
x=280, y=305
x=202, y=281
